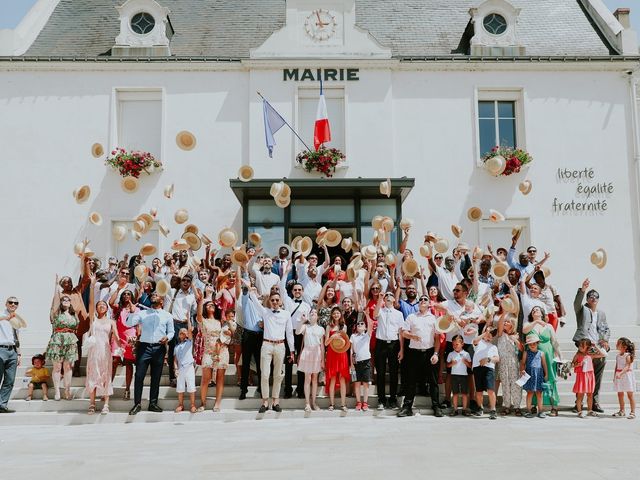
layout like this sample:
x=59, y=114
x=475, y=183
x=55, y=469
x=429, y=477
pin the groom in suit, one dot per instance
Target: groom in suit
x=592, y=324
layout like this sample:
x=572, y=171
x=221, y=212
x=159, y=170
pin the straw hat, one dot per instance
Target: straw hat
x=356, y=264
x=305, y=246
x=495, y=216
x=239, y=256
x=516, y=230
x=186, y=140
x=129, y=184
x=193, y=240
x=496, y=165
x=163, y=288
x=385, y=187
x=153, y=212
x=474, y=214
x=599, y=258
x=95, y=218
x=140, y=272
x=180, y=245
x=168, y=191
x=78, y=248
x=456, y=230
x=390, y=259
x=340, y=344
x=148, y=249
x=148, y=221
x=139, y=226
x=181, y=216
x=82, y=194
x=255, y=238
x=426, y=251
x=295, y=243
x=347, y=243
x=508, y=306
x=387, y=224
x=245, y=173
x=97, y=150
x=191, y=228
x=283, y=202
x=430, y=237
x=477, y=253
x=369, y=252
x=332, y=238
x=351, y=273
x=525, y=187
x=227, y=237
x=462, y=247
x=320, y=232
x=18, y=322
x=205, y=239
x=532, y=338
x=164, y=230
x=406, y=223
x=376, y=222
x=441, y=245
x=276, y=189
x=286, y=190
x=88, y=252
x=410, y=267
x=119, y=231
x=136, y=235
x=500, y=269
x=445, y=324
x=546, y=271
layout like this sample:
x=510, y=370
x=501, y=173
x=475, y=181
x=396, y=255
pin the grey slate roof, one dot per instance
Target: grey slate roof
x=230, y=28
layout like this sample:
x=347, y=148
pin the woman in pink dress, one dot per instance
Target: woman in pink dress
x=101, y=329
x=122, y=350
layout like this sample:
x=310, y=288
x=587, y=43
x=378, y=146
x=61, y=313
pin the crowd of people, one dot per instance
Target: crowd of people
x=471, y=322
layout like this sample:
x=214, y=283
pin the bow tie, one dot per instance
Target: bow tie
x=298, y=301
x=275, y=311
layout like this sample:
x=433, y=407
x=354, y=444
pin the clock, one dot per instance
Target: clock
x=320, y=25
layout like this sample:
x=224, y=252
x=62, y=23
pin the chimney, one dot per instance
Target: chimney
x=628, y=37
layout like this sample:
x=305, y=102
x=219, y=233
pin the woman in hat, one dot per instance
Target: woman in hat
x=337, y=364
x=550, y=349
x=99, y=363
x=123, y=351
x=508, y=368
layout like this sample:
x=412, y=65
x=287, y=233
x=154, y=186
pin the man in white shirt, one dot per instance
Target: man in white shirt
x=276, y=323
x=447, y=276
x=181, y=304
x=9, y=353
x=531, y=298
x=422, y=357
x=265, y=278
x=309, y=277
x=388, y=349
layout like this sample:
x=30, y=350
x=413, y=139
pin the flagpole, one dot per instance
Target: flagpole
x=285, y=122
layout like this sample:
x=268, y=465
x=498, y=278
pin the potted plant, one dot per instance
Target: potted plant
x=324, y=161
x=132, y=164
x=504, y=161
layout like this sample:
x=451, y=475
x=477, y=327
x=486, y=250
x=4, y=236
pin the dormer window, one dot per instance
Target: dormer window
x=145, y=30
x=495, y=24
x=142, y=23
x=495, y=29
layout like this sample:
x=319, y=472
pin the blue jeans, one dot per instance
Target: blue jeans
x=8, y=367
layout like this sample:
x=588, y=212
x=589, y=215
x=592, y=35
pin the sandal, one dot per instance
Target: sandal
x=632, y=416
x=105, y=410
x=216, y=409
x=505, y=411
x=307, y=408
x=553, y=412
x=200, y=409
x=518, y=412
x=92, y=409
x=45, y=398
x=331, y=408
x=67, y=394
x=315, y=408
x=365, y=407
x=619, y=414
x=193, y=409
x=28, y=399
x=344, y=408
x=179, y=409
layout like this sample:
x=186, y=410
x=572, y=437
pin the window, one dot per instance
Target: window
x=495, y=24
x=267, y=219
x=307, y=109
x=500, y=120
x=369, y=208
x=142, y=23
x=139, y=121
x=322, y=211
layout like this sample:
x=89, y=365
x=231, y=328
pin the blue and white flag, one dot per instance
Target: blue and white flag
x=273, y=122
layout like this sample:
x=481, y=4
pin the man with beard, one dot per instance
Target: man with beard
x=448, y=276
x=407, y=307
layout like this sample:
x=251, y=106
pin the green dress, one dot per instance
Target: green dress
x=63, y=346
x=546, y=347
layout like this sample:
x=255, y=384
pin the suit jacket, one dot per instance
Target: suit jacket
x=275, y=268
x=584, y=319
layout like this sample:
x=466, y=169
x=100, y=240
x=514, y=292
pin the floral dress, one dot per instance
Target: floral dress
x=509, y=372
x=216, y=338
x=99, y=359
x=324, y=313
x=63, y=345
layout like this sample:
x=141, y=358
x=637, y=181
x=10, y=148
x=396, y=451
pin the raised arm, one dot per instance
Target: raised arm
x=55, y=300
x=92, y=300
x=405, y=240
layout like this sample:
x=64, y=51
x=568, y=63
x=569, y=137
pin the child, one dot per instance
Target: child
x=458, y=361
x=585, y=378
x=361, y=361
x=183, y=361
x=484, y=362
x=39, y=375
x=623, y=378
x=535, y=365
x=311, y=360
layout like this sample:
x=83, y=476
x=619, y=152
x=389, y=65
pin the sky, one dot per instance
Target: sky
x=12, y=11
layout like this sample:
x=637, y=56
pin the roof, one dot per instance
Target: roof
x=231, y=28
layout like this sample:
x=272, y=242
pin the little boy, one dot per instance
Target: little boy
x=485, y=358
x=183, y=360
x=459, y=361
x=361, y=362
x=39, y=375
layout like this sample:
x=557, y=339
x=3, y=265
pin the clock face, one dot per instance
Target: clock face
x=320, y=25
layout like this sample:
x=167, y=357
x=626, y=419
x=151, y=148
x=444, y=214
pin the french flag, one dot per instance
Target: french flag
x=322, y=131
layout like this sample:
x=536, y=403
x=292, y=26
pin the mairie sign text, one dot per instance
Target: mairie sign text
x=326, y=74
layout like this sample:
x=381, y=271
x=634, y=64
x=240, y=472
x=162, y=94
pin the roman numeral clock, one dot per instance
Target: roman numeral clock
x=320, y=25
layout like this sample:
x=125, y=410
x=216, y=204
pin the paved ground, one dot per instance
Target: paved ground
x=371, y=447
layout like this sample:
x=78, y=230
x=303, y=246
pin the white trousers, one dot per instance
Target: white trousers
x=271, y=352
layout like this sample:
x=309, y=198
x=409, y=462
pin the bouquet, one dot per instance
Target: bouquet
x=323, y=161
x=515, y=158
x=131, y=164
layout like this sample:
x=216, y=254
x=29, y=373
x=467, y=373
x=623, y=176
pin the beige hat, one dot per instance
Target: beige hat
x=164, y=230
x=139, y=226
x=168, y=191
x=305, y=245
x=283, y=202
x=276, y=189
x=376, y=222
x=406, y=223
x=136, y=235
x=239, y=256
x=295, y=243
x=148, y=249
x=95, y=218
x=180, y=245
x=153, y=212
x=227, y=237
x=385, y=187
x=332, y=238
x=496, y=165
x=441, y=245
x=390, y=259
x=78, y=248
x=255, y=238
x=369, y=252
x=532, y=338
x=546, y=271
x=347, y=243
x=193, y=240
x=140, y=272
x=351, y=273
x=500, y=269
x=286, y=190
x=599, y=258
x=181, y=216
x=474, y=214
x=516, y=230
x=456, y=230
x=477, y=253
x=462, y=247
x=186, y=140
x=82, y=194
x=445, y=324
x=387, y=224
x=430, y=237
x=18, y=322
x=147, y=219
x=163, y=288
x=356, y=263
x=426, y=250
x=97, y=150
x=410, y=267
x=245, y=173
x=88, y=252
x=508, y=306
x=525, y=187
x=119, y=231
x=129, y=184
x=191, y=228
x=340, y=344
x=205, y=239
x=320, y=232
x=495, y=216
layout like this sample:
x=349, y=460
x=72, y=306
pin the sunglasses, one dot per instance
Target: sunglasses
x=186, y=280
x=438, y=258
x=593, y=295
x=274, y=300
x=11, y=302
x=532, y=251
x=375, y=288
x=424, y=299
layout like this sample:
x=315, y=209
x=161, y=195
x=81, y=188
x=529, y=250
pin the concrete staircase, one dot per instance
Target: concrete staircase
x=73, y=411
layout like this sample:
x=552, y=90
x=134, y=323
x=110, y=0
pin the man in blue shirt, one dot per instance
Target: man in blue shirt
x=407, y=307
x=156, y=331
x=251, y=341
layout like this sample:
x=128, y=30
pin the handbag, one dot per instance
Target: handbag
x=88, y=339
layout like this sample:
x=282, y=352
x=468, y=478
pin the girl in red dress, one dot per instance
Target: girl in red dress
x=337, y=364
x=585, y=377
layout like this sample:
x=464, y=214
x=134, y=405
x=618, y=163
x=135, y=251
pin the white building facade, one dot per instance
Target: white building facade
x=417, y=91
